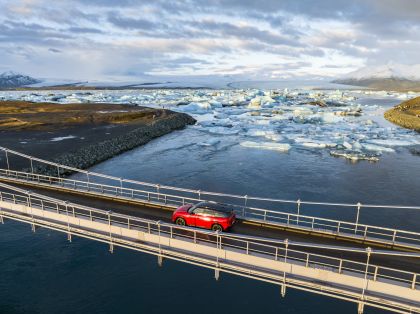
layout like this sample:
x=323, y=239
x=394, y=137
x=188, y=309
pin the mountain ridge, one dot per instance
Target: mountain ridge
x=11, y=79
x=389, y=77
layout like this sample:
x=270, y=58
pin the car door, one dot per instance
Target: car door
x=202, y=218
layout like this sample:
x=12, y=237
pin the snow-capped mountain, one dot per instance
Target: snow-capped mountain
x=389, y=76
x=11, y=79
x=391, y=70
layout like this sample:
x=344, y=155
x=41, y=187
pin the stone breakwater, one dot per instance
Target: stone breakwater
x=93, y=154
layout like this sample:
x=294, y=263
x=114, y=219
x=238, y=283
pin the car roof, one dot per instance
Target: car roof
x=215, y=206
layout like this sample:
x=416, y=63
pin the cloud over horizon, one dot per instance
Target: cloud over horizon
x=266, y=39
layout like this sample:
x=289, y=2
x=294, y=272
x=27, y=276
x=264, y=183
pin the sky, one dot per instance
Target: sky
x=250, y=39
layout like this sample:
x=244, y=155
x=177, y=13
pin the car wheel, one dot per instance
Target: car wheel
x=217, y=227
x=180, y=221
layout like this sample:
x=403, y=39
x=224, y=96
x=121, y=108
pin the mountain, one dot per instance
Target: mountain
x=389, y=77
x=11, y=79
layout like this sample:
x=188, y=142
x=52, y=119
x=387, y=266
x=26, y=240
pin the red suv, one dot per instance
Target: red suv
x=209, y=215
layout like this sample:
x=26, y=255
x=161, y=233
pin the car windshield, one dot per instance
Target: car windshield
x=215, y=209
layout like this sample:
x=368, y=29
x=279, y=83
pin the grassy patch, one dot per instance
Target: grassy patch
x=406, y=114
x=20, y=115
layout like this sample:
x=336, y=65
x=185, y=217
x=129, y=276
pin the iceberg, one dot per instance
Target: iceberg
x=283, y=147
x=354, y=156
x=314, y=145
x=210, y=142
x=197, y=108
x=261, y=101
x=390, y=142
x=377, y=148
x=221, y=130
x=269, y=134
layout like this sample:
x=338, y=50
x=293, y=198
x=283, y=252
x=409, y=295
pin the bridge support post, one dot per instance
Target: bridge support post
x=160, y=260
x=111, y=248
x=7, y=160
x=298, y=211
x=283, y=290
x=33, y=228
x=360, y=308
x=217, y=274
x=1, y=220
x=359, y=206
x=69, y=237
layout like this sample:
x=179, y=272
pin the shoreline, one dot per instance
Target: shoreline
x=406, y=114
x=87, y=143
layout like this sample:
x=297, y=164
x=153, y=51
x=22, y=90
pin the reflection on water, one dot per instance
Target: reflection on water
x=42, y=273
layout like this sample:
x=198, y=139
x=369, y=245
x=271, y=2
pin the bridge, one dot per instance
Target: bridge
x=269, y=259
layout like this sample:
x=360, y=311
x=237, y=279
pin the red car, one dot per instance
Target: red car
x=208, y=215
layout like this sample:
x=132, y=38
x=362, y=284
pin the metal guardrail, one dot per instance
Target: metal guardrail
x=279, y=250
x=309, y=223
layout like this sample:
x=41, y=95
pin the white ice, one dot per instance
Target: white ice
x=62, y=138
x=267, y=145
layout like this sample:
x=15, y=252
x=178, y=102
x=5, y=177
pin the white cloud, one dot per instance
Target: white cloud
x=256, y=39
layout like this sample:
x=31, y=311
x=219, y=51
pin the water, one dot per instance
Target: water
x=43, y=273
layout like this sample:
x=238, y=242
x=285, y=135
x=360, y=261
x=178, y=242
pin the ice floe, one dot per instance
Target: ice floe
x=341, y=123
x=283, y=147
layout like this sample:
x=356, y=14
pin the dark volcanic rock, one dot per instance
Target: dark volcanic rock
x=90, y=155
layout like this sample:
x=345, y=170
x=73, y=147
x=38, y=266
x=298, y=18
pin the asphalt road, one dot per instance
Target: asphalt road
x=241, y=227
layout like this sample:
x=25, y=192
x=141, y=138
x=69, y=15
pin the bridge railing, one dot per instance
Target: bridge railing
x=311, y=223
x=262, y=247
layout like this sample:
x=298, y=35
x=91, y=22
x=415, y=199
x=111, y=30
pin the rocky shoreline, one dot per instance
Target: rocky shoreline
x=93, y=154
x=406, y=114
x=95, y=136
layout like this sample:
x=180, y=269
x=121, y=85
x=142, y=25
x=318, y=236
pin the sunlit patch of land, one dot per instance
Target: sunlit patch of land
x=19, y=115
x=406, y=114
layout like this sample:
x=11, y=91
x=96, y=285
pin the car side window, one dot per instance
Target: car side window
x=199, y=211
x=218, y=214
x=211, y=212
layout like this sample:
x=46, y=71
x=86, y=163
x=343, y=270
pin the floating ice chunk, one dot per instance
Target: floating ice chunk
x=390, y=143
x=255, y=103
x=354, y=156
x=357, y=146
x=62, y=138
x=222, y=130
x=261, y=101
x=377, y=148
x=274, y=137
x=210, y=142
x=302, y=112
x=213, y=123
x=330, y=117
x=314, y=145
x=262, y=122
x=269, y=134
x=220, y=115
x=216, y=104
x=283, y=147
x=347, y=145
x=197, y=108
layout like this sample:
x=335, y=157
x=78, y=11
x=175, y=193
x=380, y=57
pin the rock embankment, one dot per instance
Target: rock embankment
x=80, y=135
x=88, y=156
x=406, y=114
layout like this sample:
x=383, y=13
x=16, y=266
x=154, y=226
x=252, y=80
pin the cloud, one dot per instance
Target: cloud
x=54, y=50
x=97, y=38
x=131, y=23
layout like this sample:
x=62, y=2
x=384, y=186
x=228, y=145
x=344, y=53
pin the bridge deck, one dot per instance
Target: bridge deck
x=162, y=213
x=363, y=283
x=326, y=228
